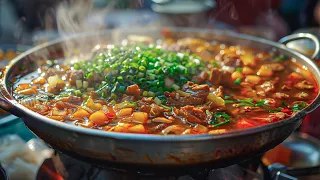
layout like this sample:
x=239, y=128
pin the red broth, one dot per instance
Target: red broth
x=185, y=86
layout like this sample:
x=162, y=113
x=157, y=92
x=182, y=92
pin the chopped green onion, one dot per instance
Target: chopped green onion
x=299, y=106
x=157, y=101
x=175, y=87
x=151, y=94
x=237, y=81
x=239, y=69
x=77, y=93
x=85, y=84
x=215, y=64
x=227, y=101
x=166, y=107
x=261, y=103
x=114, y=96
x=79, y=84
x=90, y=89
x=220, y=116
x=126, y=104
x=275, y=110
x=145, y=93
x=281, y=58
x=284, y=104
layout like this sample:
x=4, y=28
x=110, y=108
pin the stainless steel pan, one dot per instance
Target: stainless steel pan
x=151, y=152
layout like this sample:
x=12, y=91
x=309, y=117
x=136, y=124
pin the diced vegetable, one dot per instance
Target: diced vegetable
x=98, y=118
x=216, y=100
x=265, y=71
x=183, y=94
x=247, y=70
x=253, y=79
x=79, y=84
x=94, y=106
x=56, y=112
x=85, y=84
x=217, y=131
x=137, y=129
x=39, y=80
x=162, y=120
x=248, y=59
x=237, y=81
x=157, y=100
x=125, y=112
x=175, y=87
x=29, y=91
x=140, y=117
x=55, y=80
x=237, y=75
x=80, y=113
x=126, y=104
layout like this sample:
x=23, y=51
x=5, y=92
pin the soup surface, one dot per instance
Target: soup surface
x=184, y=86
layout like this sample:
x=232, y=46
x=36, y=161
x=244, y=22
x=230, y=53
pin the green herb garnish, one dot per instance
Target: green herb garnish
x=275, y=110
x=126, y=104
x=146, y=66
x=220, y=119
x=299, y=106
x=237, y=81
x=239, y=69
x=283, y=104
x=281, y=58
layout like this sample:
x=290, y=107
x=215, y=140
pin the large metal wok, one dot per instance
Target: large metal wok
x=151, y=152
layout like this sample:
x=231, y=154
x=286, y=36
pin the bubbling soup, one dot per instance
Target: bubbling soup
x=173, y=86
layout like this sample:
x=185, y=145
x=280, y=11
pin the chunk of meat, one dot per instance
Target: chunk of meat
x=274, y=66
x=302, y=95
x=95, y=78
x=195, y=90
x=191, y=94
x=57, y=87
x=221, y=77
x=280, y=95
x=286, y=88
x=74, y=99
x=75, y=75
x=156, y=110
x=193, y=114
x=267, y=86
x=232, y=61
x=133, y=90
x=304, y=85
x=145, y=108
x=200, y=79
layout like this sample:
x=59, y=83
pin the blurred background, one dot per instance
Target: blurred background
x=25, y=22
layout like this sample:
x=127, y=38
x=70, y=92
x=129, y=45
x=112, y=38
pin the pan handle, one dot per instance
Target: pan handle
x=299, y=36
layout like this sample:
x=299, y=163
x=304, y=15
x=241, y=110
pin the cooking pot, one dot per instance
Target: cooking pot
x=152, y=153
